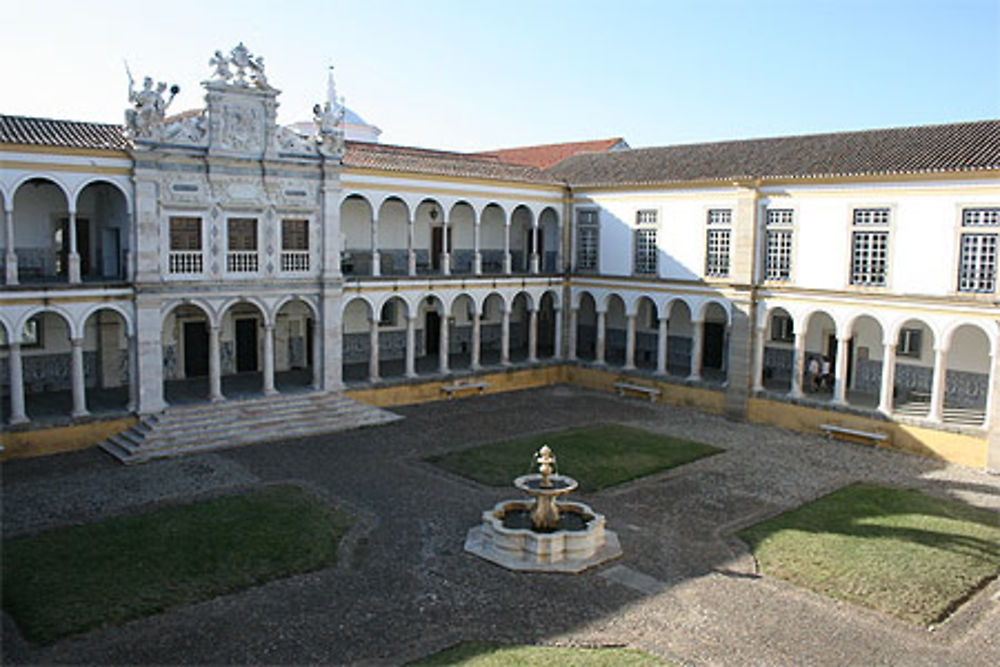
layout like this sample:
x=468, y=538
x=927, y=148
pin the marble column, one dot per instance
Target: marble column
x=505, y=337
x=73, y=259
x=557, y=334
x=269, y=389
x=601, y=337
x=411, y=254
x=445, y=247
x=214, y=365
x=574, y=318
x=697, y=342
x=798, y=364
x=630, y=341
x=376, y=255
x=373, y=351
x=534, y=250
x=411, y=346
x=758, y=358
x=532, y=336
x=443, y=345
x=17, y=413
x=317, y=366
x=132, y=347
x=10, y=252
x=475, y=363
x=662, y=347
x=885, y=398
x=840, y=372
x=77, y=373
x=477, y=254
x=506, y=248
x=938, y=384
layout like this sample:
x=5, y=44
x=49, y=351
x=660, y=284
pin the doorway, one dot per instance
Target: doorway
x=246, y=345
x=195, y=349
x=714, y=333
x=432, y=332
x=437, y=245
x=82, y=246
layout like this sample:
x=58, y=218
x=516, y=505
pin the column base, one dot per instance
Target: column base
x=14, y=421
x=76, y=414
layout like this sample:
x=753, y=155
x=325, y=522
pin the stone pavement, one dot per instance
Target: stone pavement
x=685, y=588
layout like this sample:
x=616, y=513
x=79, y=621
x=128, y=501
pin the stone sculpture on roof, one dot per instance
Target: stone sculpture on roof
x=329, y=120
x=148, y=106
x=249, y=69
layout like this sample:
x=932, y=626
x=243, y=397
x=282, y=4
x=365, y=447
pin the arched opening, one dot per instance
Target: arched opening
x=392, y=232
x=356, y=344
x=241, y=350
x=356, y=224
x=392, y=337
x=185, y=339
x=521, y=245
x=967, y=378
x=519, y=322
x=490, y=330
x=779, y=351
x=102, y=222
x=431, y=354
x=820, y=355
x=647, y=329
x=679, y=338
x=47, y=366
x=107, y=362
x=463, y=311
x=715, y=343
x=462, y=223
x=586, y=327
x=614, y=331
x=864, y=362
x=430, y=236
x=492, y=229
x=41, y=232
x=547, y=330
x=296, y=347
x=548, y=241
x=913, y=378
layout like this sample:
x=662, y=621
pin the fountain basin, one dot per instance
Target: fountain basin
x=580, y=543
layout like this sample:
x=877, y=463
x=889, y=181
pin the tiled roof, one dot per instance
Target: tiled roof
x=548, y=155
x=69, y=133
x=441, y=163
x=930, y=148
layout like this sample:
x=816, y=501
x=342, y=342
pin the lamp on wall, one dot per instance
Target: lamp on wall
x=434, y=212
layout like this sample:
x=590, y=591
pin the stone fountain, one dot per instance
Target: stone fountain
x=543, y=534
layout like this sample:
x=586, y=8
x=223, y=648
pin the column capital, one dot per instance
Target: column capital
x=76, y=342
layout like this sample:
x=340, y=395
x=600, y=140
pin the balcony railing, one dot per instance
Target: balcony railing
x=295, y=260
x=243, y=261
x=186, y=261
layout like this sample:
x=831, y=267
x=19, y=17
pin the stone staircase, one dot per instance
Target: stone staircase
x=921, y=406
x=207, y=426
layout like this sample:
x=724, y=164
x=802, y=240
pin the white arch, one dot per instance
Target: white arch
x=900, y=320
x=555, y=297
x=264, y=310
x=390, y=297
x=285, y=300
x=949, y=332
x=49, y=308
x=703, y=307
x=70, y=202
x=100, y=179
x=118, y=308
x=358, y=297
x=202, y=305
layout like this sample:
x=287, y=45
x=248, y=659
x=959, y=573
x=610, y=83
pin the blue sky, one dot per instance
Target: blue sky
x=472, y=75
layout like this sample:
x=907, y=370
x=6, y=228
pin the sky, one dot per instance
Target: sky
x=475, y=75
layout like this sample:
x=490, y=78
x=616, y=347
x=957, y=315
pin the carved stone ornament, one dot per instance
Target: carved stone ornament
x=149, y=107
x=239, y=68
x=242, y=128
x=329, y=121
x=289, y=141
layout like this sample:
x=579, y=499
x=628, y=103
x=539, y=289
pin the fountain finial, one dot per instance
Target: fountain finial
x=545, y=460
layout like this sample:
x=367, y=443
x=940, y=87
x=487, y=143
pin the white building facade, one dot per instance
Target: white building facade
x=215, y=254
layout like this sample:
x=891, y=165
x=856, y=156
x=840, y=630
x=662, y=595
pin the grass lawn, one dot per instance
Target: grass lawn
x=484, y=654
x=75, y=579
x=596, y=456
x=898, y=551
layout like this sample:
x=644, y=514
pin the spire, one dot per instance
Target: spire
x=331, y=89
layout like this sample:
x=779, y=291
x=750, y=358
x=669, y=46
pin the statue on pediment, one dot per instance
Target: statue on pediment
x=149, y=107
x=329, y=120
x=249, y=69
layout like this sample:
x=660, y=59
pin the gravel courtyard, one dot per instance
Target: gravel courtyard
x=685, y=588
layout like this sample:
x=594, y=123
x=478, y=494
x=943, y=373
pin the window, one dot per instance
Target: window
x=31, y=334
x=870, y=247
x=645, y=242
x=242, y=235
x=717, y=243
x=387, y=316
x=185, y=245
x=294, y=245
x=586, y=240
x=908, y=344
x=977, y=270
x=782, y=329
x=778, y=263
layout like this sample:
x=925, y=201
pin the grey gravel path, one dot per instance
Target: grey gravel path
x=685, y=588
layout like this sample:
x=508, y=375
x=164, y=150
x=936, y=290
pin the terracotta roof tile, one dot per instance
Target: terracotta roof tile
x=68, y=133
x=930, y=148
x=548, y=155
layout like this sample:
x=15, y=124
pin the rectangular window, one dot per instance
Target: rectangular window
x=870, y=248
x=717, y=243
x=908, y=344
x=185, y=246
x=294, y=245
x=242, y=256
x=645, y=242
x=586, y=240
x=782, y=330
x=778, y=262
x=978, y=251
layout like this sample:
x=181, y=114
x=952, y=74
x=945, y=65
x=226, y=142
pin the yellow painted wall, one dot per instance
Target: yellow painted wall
x=954, y=447
x=43, y=441
x=707, y=400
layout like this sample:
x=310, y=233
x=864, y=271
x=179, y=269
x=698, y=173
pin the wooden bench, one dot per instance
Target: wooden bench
x=457, y=387
x=853, y=435
x=652, y=392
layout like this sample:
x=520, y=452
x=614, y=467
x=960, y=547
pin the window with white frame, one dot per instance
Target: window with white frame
x=908, y=344
x=185, y=245
x=242, y=256
x=717, y=242
x=778, y=263
x=870, y=247
x=294, y=245
x=586, y=240
x=645, y=242
x=977, y=271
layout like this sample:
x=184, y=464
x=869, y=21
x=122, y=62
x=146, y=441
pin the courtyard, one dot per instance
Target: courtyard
x=686, y=589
